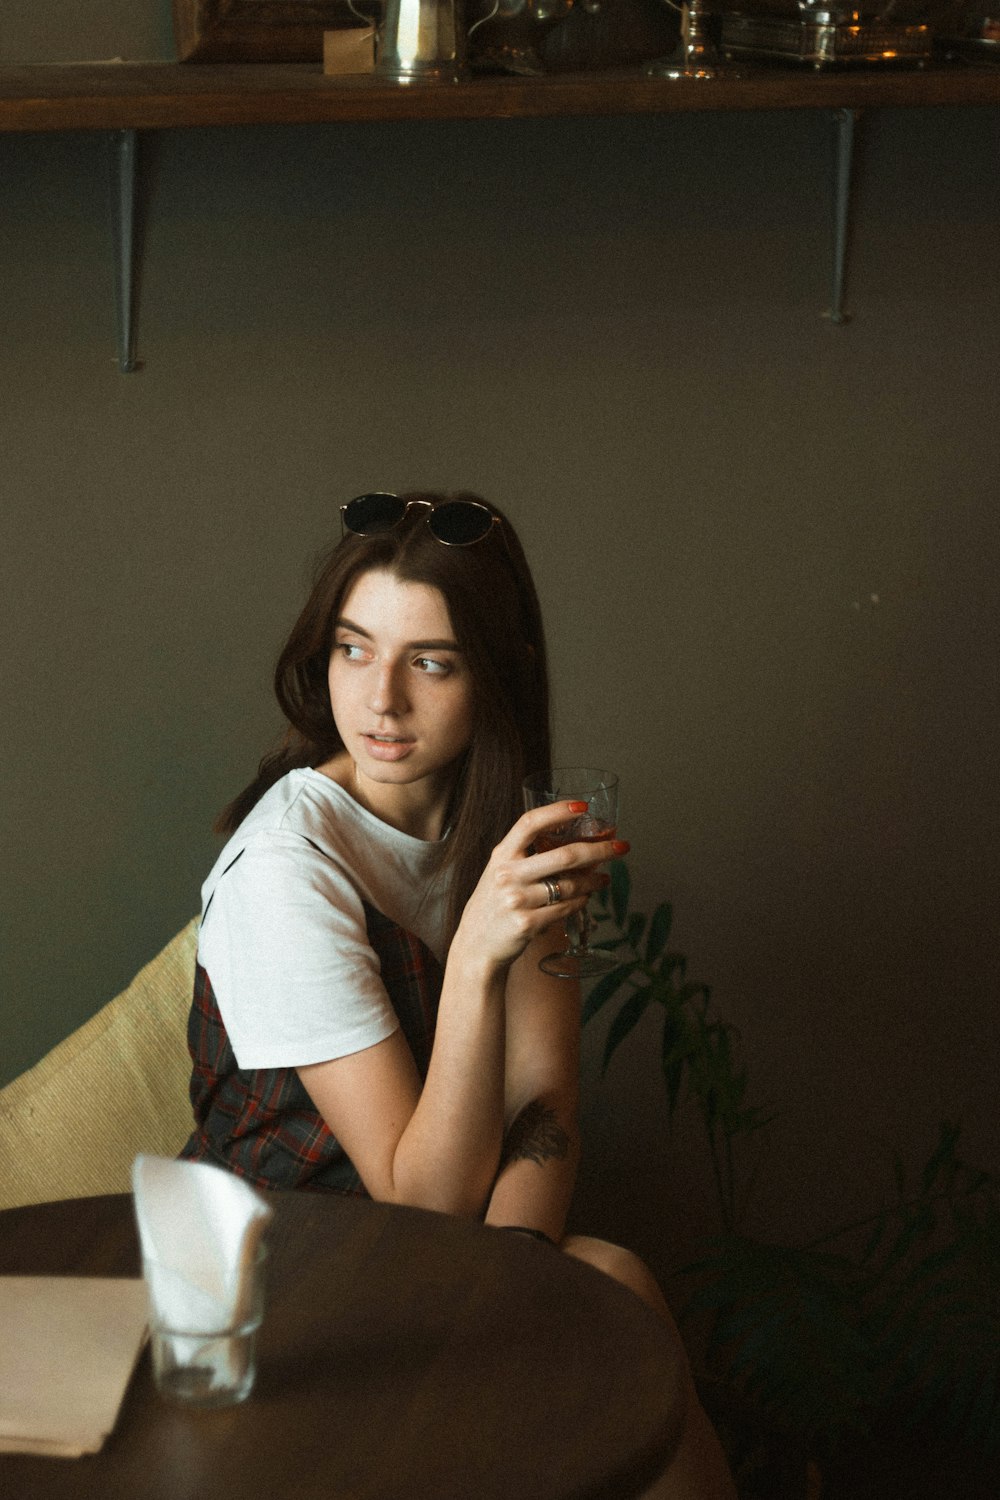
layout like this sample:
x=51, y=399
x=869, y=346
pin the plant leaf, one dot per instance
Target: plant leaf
x=629, y=1015
x=875, y=1238
x=786, y=1328
x=676, y=1046
x=621, y=883
x=942, y=1156
x=636, y=927
x=659, y=932
x=606, y=986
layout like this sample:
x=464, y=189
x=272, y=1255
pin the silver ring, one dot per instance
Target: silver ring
x=552, y=886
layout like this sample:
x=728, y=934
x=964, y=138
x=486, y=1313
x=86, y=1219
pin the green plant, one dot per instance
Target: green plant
x=891, y=1320
x=698, y=1050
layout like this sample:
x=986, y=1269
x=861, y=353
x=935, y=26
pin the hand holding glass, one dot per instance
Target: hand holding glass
x=599, y=789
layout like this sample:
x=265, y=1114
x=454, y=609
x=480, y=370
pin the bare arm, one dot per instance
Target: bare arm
x=439, y=1146
x=541, y=1147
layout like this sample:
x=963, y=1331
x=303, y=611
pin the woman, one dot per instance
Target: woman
x=369, y=1014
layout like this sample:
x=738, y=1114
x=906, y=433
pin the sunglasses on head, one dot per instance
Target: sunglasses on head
x=456, y=523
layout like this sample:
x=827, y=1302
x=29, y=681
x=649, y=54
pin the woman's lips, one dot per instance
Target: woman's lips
x=387, y=747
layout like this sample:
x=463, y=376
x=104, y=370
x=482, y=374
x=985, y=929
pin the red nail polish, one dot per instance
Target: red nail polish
x=621, y=846
x=578, y=807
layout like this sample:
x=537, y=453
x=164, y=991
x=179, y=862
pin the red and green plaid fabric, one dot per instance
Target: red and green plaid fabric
x=261, y=1122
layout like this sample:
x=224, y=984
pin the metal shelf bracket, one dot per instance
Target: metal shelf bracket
x=122, y=182
x=844, y=122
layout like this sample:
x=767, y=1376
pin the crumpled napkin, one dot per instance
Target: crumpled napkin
x=200, y=1228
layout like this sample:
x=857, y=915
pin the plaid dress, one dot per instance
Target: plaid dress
x=261, y=1123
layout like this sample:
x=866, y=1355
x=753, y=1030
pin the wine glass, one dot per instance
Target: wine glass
x=599, y=789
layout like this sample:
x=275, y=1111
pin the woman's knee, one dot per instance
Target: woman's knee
x=622, y=1265
x=699, y=1467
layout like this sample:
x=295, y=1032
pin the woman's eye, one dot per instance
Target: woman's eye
x=435, y=668
x=350, y=651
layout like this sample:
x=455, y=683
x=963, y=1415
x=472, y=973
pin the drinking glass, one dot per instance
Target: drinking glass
x=599, y=789
x=200, y=1360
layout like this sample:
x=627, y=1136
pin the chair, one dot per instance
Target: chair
x=71, y=1125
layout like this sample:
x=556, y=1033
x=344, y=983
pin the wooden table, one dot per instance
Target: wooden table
x=404, y=1356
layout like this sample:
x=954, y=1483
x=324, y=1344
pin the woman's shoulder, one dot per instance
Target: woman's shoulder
x=301, y=804
x=321, y=807
x=308, y=846
x=294, y=816
x=276, y=876
x=308, y=820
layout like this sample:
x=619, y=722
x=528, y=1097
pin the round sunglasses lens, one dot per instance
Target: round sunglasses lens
x=370, y=513
x=460, y=522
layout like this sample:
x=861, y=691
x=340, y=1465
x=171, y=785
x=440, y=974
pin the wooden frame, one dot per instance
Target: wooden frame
x=257, y=31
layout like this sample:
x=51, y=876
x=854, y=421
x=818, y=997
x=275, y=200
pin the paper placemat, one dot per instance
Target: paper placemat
x=67, y=1351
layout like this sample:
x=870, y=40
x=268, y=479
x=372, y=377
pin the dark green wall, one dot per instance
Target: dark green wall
x=768, y=547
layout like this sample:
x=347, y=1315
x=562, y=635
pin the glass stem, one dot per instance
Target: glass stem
x=578, y=930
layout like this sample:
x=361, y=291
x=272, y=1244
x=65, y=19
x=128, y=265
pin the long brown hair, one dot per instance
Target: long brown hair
x=495, y=614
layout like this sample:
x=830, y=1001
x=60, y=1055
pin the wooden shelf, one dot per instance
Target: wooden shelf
x=158, y=96
x=124, y=99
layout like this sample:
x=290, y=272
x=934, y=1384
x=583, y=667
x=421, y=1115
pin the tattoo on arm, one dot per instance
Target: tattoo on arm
x=535, y=1135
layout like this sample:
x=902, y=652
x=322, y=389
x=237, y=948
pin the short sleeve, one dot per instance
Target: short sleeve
x=284, y=943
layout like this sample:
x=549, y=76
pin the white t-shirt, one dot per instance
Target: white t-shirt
x=283, y=936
